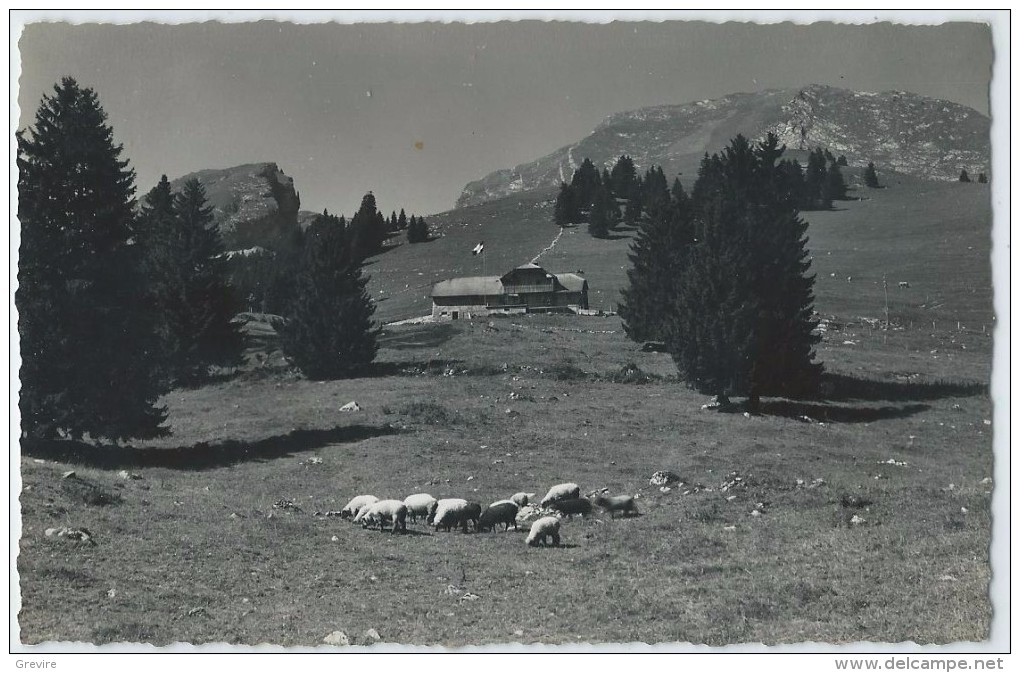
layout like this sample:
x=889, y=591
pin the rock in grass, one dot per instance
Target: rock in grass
x=370, y=637
x=351, y=406
x=338, y=639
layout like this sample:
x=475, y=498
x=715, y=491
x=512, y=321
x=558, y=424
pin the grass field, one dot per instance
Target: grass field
x=195, y=550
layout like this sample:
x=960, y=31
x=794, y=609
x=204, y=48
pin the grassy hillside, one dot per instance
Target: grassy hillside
x=862, y=516
x=913, y=231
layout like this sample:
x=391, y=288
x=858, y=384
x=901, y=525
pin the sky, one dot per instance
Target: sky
x=414, y=111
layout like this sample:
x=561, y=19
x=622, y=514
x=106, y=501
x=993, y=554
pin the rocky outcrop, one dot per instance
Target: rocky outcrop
x=926, y=137
x=254, y=205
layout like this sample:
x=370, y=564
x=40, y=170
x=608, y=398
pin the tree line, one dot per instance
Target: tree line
x=596, y=197
x=116, y=304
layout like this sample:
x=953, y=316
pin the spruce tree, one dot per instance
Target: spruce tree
x=566, y=210
x=624, y=178
x=600, y=219
x=365, y=230
x=963, y=176
x=329, y=332
x=982, y=178
x=584, y=182
x=835, y=187
x=402, y=220
x=657, y=257
x=871, y=176
x=815, y=179
x=88, y=338
x=740, y=322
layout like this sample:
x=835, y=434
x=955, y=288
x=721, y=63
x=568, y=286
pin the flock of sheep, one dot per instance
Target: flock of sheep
x=448, y=513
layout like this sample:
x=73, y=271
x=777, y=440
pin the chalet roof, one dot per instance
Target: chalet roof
x=571, y=281
x=470, y=286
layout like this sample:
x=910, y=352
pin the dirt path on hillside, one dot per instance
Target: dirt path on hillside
x=534, y=260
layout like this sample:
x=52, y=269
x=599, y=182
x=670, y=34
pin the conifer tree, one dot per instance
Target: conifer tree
x=402, y=220
x=657, y=256
x=88, y=338
x=584, y=181
x=815, y=179
x=600, y=220
x=740, y=322
x=365, y=231
x=835, y=187
x=330, y=333
x=982, y=178
x=566, y=210
x=963, y=176
x=624, y=178
x=871, y=176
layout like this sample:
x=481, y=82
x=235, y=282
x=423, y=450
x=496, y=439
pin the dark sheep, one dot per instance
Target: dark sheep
x=580, y=506
x=502, y=512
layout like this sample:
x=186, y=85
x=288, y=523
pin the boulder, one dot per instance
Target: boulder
x=337, y=638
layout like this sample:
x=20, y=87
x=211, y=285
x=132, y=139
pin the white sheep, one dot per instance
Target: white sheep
x=547, y=526
x=418, y=505
x=394, y=511
x=521, y=499
x=450, y=512
x=561, y=492
x=356, y=503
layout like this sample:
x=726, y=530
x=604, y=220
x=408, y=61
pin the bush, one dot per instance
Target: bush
x=631, y=373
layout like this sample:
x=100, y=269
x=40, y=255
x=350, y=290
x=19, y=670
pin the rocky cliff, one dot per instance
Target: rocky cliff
x=254, y=205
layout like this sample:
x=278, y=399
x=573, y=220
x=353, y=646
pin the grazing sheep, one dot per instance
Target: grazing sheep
x=356, y=503
x=501, y=512
x=548, y=526
x=418, y=505
x=561, y=492
x=379, y=513
x=571, y=506
x=617, y=503
x=521, y=499
x=451, y=512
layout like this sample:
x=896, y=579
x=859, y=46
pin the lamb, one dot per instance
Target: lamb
x=548, y=526
x=571, y=506
x=356, y=503
x=500, y=512
x=418, y=505
x=561, y=492
x=380, y=512
x=521, y=499
x=617, y=503
x=451, y=512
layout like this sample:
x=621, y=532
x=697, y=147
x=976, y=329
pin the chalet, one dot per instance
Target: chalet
x=526, y=289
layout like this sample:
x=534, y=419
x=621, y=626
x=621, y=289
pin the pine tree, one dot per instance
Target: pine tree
x=87, y=332
x=365, y=231
x=584, y=182
x=657, y=256
x=815, y=179
x=871, y=176
x=740, y=321
x=982, y=178
x=963, y=176
x=566, y=210
x=417, y=230
x=600, y=220
x=391, y=224
x=187, y=273
x=624, y=178
x=330, y=333
x=841, y=160
x=835, y=187
x=402, y=220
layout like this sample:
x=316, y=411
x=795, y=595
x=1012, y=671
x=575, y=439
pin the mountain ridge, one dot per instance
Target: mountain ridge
x=899, y=131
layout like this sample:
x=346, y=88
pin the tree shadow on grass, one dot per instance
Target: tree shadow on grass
x=200, y=456
x=838, y=387
x=836, y=414
x=428, y=336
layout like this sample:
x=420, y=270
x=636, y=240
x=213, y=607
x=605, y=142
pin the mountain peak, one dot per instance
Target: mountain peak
x=897, y=130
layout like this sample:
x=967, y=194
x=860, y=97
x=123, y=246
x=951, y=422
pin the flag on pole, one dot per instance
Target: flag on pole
x=477, y=250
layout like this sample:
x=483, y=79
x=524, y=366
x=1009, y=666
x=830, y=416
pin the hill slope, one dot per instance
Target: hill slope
x=912, y=134
x=913, y=231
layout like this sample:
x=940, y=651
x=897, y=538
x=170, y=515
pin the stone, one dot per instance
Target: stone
x=370, y=637
x=338, y=639
x=351, y=406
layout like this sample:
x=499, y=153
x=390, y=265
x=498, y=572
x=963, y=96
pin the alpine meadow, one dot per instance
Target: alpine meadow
x=714, y=372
